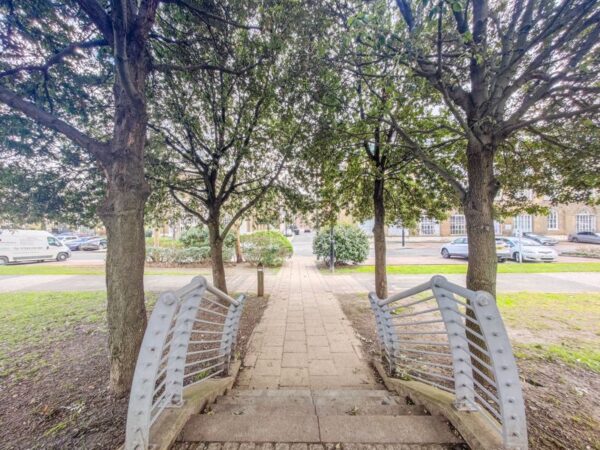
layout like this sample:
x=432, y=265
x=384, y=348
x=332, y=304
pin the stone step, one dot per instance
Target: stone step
x=385, y=405
x=307, y=446
x=374, y=429
x=310, y=393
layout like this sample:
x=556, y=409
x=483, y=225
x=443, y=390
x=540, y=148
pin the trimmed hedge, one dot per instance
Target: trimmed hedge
x=351, y=244
x=271, y=248
x=187, y=255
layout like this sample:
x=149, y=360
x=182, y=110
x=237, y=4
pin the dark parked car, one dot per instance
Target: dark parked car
x=588, y=237
x=94, y=244
x=76, y=244
x=544, y=240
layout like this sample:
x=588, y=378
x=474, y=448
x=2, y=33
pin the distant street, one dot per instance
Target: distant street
x=537, y=282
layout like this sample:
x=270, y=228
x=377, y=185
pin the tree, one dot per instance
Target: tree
x=224, y=138
x=59, y=61
x=55, y=70
x=374, y=163
x=503, y=69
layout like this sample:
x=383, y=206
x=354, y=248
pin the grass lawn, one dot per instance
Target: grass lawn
x=50, y=269
x=554, y=326
x=28, y=319
x=462, y=268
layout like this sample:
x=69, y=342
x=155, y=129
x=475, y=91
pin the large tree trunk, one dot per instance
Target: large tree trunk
x=216, y=256
x=123, y=215
x=379, y=239
x=479, y=215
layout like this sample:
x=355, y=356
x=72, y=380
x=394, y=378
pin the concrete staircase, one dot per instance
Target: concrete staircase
x=304, y=419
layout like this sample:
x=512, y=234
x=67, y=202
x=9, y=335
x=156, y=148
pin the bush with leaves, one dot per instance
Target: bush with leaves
x=198, y=237
x=270, y=248
x=351, y=244
x=187, y=255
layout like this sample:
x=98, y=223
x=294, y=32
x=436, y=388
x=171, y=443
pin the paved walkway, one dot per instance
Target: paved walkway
x=304, y=339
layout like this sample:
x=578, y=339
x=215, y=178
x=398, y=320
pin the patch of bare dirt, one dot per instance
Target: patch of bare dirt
x=67, y=405
x=562, y=402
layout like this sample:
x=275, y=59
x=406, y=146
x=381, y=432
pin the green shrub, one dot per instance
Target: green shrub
x=195, y=237
x=351, y=244
x=270, y=248
x=164, y=242
x=178, y=255
x=198, y=237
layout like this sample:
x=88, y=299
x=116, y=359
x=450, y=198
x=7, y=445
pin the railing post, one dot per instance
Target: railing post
x=230, y=329
x=385, y=330
x=182, y=330
x=512, y=406
x=457, y=339
x=146, y=370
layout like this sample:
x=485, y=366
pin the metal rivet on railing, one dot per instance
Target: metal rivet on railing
x=495, y=334
x=489, y=317
x=511, y=400
x=509, y=384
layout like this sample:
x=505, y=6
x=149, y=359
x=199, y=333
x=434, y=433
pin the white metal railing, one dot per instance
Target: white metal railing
x=454, y=339
x=190, y=338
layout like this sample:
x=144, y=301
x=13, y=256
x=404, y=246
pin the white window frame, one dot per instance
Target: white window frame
x=523, y=223
x=553, y=224
x=428, y=227
x=458, y=225
x=585, y=221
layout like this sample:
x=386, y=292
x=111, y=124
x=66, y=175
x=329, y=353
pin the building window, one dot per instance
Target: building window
x=585, y=221
x=523, y=223
x=553, y=220
x=428, y=227
x=497, y=228
x=458, y=224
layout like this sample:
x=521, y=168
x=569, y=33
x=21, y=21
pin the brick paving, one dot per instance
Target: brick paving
x=304, y=339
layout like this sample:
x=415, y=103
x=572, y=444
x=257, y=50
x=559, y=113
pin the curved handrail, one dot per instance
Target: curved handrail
x=189, y=339
x=454, y=339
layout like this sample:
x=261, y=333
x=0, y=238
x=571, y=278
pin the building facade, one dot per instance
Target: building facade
x=561, y=221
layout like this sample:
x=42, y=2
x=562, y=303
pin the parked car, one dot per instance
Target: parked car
x=540, y=239
x=76, y=244
x=94, y=244
x=30, y=245
x=588, y=237
x=529, y=250
x=67, y=238
x=459, y=247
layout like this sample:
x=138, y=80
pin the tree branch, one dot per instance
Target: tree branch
x=96, y=148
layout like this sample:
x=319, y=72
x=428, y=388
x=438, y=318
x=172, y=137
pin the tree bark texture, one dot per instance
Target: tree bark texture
x=216, y=256
x=123, y=215
x=381, y=287
x=479, y=216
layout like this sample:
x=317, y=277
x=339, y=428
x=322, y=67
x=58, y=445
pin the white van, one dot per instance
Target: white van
x=30, y=245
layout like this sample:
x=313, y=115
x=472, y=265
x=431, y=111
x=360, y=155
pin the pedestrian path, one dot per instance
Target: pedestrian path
x=305, y=384
x=304, y=339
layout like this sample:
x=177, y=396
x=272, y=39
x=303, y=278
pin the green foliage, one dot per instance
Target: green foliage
x=188, y=255
x=351, y=244
x=270, y=248
x=194, y=237
x=198, y=237
x=164, y=242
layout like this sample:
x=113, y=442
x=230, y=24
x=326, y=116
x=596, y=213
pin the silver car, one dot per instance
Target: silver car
x=588, y=237
x=460, y=247
x=529, y=250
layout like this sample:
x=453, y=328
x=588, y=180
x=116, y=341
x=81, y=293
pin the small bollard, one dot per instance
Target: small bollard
x=261, y=280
